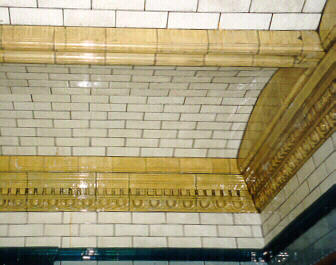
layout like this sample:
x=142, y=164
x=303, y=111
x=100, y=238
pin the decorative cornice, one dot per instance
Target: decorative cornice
x=319, y=124
x=122, y=184
x=110, y=46
x=298, y=132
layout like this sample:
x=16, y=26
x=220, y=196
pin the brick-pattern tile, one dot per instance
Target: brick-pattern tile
x=313, y=179
x=188, y=14
x=126, y=111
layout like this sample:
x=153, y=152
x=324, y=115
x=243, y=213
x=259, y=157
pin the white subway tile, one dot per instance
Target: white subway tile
x=34, y=123
x=203, y=100
x=247, y=218
x=72, y=141
x=328, y=182
x=194, y=134
x=131, y=230
x=107, y=124
x=80, y=218
x=51, y=115
x=190, y=152
x=223, y=6
x=107, y=141
x=65, y=4
x=213, y=125
x=4, y=15
x=16, y=114
x=107, y=107
x=88, y=132
x=25, y=230
x=125, y=133
x=114, y=217
x=276, y=6
x=51, y=151
x=307, y=168
x=171, y=5
x=197, y=117
x=330, y=163
x=323, y=152
x=53, y=218
x=18, y=131
x=235, y=231
x=71, y=123
x=36, y=16
x=123, y=151
x=32, y=106
x=244, y=21
x=295, y=21
x=96, y=230
x=317, y=177
x=93, y=18
x=149, y=242
x=250, y=243
x=53, y=132
x=138, y=19
x=61, y=230
x=216, y=242
x=43, y=242
x=10, y=123
x=183, y=143
x=148, y=218
x=13, y=218
x=183, y=218
x=159, y=134
x=182, y=108
x=9, y=140
x=178, y=125
x=193, y=20
x=118, y=242
x=11, y=242
x=143, y=124
x=79, y=242
x=216, y=218
x=119, y=5
x=19, y=3
x=200, y=230
x=314, y=6
x=89, y=151
x=157, y=152
x=69, y=106
x=166, y=230
x=184, y=242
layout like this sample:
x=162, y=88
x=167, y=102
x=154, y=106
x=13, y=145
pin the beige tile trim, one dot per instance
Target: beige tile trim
x=307, y=120
x=121, y=184
x=108, y=46
x=327, y=29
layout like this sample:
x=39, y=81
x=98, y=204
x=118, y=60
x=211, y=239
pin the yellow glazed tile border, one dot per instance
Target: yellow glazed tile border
x=117, y=164
x=108, y=46
x=52, y=183
x=327, y=28
x=304, y=119
x=107, y=191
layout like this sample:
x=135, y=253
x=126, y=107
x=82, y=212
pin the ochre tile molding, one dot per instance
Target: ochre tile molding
x=120, y=46
x=327, y=27
x=44, y=183
x=272, y=152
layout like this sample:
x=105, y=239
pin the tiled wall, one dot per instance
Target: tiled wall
x=136, y=229
x=126, y=111
x=314, y=178
x=188, y=14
